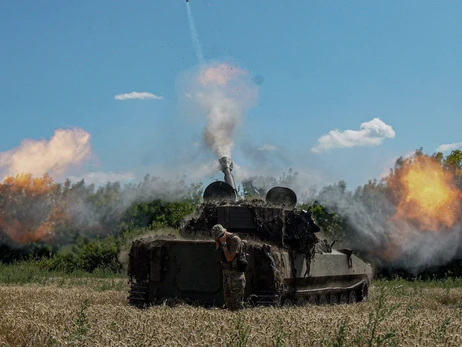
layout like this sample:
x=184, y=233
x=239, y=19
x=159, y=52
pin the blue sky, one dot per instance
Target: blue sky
x=320, y=66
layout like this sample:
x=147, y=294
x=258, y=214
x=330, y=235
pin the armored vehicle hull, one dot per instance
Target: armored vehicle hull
x=186, y=270
x=287, y=263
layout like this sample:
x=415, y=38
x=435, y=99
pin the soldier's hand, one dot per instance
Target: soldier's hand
x=222, y=239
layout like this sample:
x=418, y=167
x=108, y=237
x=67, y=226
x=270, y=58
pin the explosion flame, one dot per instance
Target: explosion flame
x=29, y=210
x=424, y=226
x=427, y=195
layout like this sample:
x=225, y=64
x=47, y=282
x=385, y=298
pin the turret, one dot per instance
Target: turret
x=220, y=190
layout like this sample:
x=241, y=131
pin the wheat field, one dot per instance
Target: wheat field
x=62, y=314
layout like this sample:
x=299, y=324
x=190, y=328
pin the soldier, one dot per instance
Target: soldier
x=233, y=279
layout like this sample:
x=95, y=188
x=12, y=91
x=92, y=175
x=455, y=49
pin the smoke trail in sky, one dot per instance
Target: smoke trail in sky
x=194, y=35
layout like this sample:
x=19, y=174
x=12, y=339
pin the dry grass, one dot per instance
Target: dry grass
x=37, y=315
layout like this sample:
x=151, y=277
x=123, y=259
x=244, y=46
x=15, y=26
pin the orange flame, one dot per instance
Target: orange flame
x=29, y=208
x=427, y=194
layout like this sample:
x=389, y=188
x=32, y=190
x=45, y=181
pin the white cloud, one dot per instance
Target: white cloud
x=370, y=133
x=138, y=96
x=101, y=178
x=267, y=147
x=449, y=147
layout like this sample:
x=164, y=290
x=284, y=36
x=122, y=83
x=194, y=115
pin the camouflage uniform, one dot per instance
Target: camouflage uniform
x=233, y=280
x=233, y=289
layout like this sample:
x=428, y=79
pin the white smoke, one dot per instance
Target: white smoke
x=223, y=94
x=419, y=250
x=194, y=35
x=304, y=182
x=99, y=178
x=66, y=148
x=378, y=235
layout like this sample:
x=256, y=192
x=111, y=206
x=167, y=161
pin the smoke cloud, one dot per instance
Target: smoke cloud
x=66, y=148
x=387, y=241
x=99, y=178
x=223, y=93
x=425, y=249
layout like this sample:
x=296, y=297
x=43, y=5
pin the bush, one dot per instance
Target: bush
x=86, y=255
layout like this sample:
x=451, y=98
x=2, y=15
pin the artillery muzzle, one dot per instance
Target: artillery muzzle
x=226, y=166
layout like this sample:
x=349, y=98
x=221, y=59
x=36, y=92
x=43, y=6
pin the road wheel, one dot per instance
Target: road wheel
x=364, y=292
x=343, y=299
x=333, y=299
x=323, y=299
x=311, y=300
x=301, y=301
x=352, y=297
x=287, y=302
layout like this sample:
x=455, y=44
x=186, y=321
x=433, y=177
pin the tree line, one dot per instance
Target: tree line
x=78, y=226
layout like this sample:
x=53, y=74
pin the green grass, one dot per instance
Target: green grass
x=31, y=272
x=420, y=284
x=444, y=296
x=34, y=271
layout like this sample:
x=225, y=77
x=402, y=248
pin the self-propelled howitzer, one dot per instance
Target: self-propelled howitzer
x=287, y=262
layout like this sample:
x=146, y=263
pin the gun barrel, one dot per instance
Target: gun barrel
x=226, y=166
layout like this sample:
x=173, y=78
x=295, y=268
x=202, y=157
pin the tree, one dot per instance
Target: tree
x=257, y=186
x=454, y=162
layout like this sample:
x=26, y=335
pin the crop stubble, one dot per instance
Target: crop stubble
x=55, y=315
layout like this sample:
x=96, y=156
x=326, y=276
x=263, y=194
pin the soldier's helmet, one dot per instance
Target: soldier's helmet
x=217, y=231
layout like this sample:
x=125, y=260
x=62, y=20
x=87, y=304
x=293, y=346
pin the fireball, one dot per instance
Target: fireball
x=30, y=208
x=427, y=194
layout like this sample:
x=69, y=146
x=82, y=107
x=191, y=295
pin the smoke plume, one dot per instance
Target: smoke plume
x=411, y=220
x=391, y=243
x=223, y=93
x=65, y=149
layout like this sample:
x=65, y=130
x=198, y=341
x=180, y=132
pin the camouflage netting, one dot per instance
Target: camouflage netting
x=300, y=231
x=140, y=255
x=270, y=277
x=299, y=227
x=201, y=222
x=267, y=283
